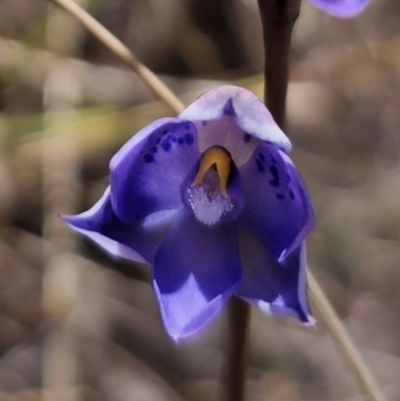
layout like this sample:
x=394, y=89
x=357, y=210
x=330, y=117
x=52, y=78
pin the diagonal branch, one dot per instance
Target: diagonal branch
x=159, y=89
x=339, y=333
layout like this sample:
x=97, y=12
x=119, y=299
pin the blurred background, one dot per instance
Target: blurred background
x=76, y=325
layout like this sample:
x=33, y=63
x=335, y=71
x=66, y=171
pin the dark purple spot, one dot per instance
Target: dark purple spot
x=275, y=176
x=280, y=196
x=148, y=158
x=153, y=149
x=273, y=160
x=228, y=108
x=189, y=138
x=289, y=179
x=166, y=145
x=204, y=122
x=260, y=166
x=246, y=137
x=181, y=141
x=274, y=171
x=158, y=140
x=171, y=138
x=165, y=132
x=261, y=156
x=291, y=194
x=187, y=127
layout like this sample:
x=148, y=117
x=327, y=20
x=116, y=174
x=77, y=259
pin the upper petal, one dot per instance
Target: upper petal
x=242, y=107
x=277, y=209
x=147, y=171
x=341, y=8
x=195, y=270
x=135, y=241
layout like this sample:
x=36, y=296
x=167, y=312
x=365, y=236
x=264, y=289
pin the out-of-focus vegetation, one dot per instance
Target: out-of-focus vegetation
x=75, y=325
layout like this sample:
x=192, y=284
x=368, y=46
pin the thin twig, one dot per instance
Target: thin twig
x=159, y=89
x=340, y=334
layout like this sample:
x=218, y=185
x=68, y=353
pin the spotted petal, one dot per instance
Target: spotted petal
x=341, y=8
x=278, y=209
x=195, y=270
x=235, y=118
x=147, y=172
x=276, y=288
x=135, y=241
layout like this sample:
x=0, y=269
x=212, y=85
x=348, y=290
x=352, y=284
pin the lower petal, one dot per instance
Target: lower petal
x=186, y=311
x=195, y=270
x=136, y=241
x=276, y=288
x=293, y=300
x=261, y=273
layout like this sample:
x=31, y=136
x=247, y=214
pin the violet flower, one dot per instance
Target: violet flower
x=341, y=8
x=212, y=201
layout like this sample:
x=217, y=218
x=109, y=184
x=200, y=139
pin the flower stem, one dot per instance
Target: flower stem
x=278, y=18
x=235, y=368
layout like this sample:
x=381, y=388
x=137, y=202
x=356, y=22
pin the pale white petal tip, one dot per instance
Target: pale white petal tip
x=249, y=113
x=177, y=310
x=265, y=307
x=115, y=249
x=277, y=307
x=312, y=323
x=180, y=339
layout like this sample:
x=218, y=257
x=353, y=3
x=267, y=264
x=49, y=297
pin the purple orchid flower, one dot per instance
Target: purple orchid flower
x=212, y=201
x=341, y=8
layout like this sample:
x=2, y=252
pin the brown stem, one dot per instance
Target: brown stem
x=278, y=18
x=235, y=369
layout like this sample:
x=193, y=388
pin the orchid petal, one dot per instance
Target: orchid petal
x=261, y=272
x=232, y=106
x=195, y=270
x=293, y=301
x=138, y=241
x=147, y=172
x=341, y=8
x=278, y=209
x=276, y=288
